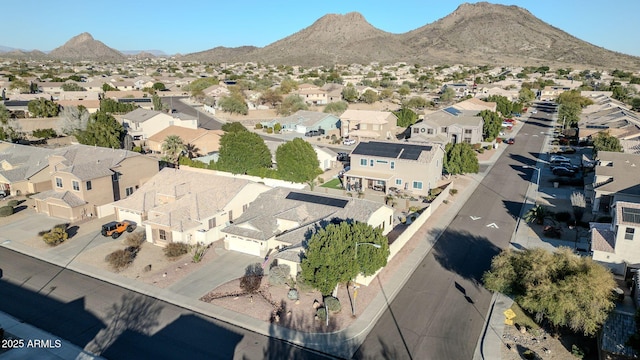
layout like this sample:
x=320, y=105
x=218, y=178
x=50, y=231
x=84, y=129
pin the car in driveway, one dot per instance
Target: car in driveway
x=311, y=133
x=349, y=141
x=563, y=171
x=114, y=228
x=559, y=158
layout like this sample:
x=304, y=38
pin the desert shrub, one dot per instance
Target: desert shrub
x=481, y=151
x=269, y=130
x=332, y=304
x=577, y=351
x=252, y=278
x=135, y=239
x=6, y=211
x=435, y=191
x=258, y=126
x=279, y=274
x=453, y=191
x=13, y=203
x=292, y=294
x=56, y=236
x=563, y=216
x=321, y=313
x=198, y=252
x=176, y=249
x=476, y=146
x=121, y=259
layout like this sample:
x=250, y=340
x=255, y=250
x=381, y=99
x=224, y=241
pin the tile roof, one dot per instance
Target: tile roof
x=140, y=115
x=368, y=116
x=67, y=197
x=22, y=161
x=602, y=237
x=90, y=162
x=625, y=173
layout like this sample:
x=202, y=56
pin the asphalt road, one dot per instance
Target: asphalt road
x=122, y=324
x=439, y=313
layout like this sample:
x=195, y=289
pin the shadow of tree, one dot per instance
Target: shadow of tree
x=526, y=353
x=133, y=313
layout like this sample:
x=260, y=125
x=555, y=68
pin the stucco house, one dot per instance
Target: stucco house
x=415, y=168
x=617, y=178
x=205, y=141
x=83, y=178
x=188, y=206
x=23, y=169
x=369, y=124
x=302, y=121
x=449, y=125
x=143, y=123
x=617, y=245
x=283, y=219
x=312, y=94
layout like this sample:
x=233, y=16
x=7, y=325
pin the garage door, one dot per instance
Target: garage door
x=127, y=215
x=244, y=246
x=59, y=212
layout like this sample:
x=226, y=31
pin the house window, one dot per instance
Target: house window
x=58, y=182
x=162, y=234
x=628, y=233
x=363, y=162
x=416, y=130
x=443, y=129
x=398, y=181
x=393, y=165
x=76, y=185
x=467, y=131
x=467, y=140
x=371, y=162
x=430, y=131
x=128, y=191
x=89, y=185
x=212, y=223
x=417, y=185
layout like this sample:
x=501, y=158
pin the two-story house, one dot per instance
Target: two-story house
x=369, y=124
x=617, y=245
x=282, y=219
x=83, y=178
x=143, y=123
x=23, y=169
x=312, y=94
x=188, y=206
x=617, y=178
x=415, y=168
x=449, y=125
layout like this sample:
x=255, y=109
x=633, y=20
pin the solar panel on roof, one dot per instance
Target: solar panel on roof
x=631, y=215
x=315, y=199
x=453, y=111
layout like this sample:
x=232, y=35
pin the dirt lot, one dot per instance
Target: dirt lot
x=544, y=345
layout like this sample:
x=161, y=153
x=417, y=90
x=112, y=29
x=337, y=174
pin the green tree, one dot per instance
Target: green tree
x=492, y=123
x=504, y=105
x=43, y=108
x=369, y=96
x=448, y=94
x=291, y=104
x=635, y=104
x=406, y=117
x=107, y=87
x=538, y=214
x=526, y=95
x=158, y=86
x=158, y=105
x=460, y=159
x=336, y=108
x=404, y=90
x=173, y=147
x=603, y=141
x=243, y=151
x=569, y=114
x=191, y=150
x=573, y=97
x=561, y=287
x=4, y=114
x=297, y=161
x=233, y=127
x=288, y=85
x=350, y=93
x=234, y=104
x=416, y=102
x=330, y=257
x=271, y=97
x=102, y=130
x=70, y=86
x=44, y=133
x=115, y=107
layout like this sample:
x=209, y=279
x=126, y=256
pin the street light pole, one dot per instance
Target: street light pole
x=355, y=286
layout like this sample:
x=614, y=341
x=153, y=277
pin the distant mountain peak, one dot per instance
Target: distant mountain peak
x=85, y=47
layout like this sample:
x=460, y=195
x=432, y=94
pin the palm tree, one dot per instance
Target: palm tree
x=538, y=214
x=173, y=147
x=191, y=150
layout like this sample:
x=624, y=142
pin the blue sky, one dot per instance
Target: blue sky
x=194, y=25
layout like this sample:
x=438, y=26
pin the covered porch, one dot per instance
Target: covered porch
x=361, y=180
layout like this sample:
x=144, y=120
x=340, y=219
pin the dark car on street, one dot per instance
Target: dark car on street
x=311, y=133
x=563, y=171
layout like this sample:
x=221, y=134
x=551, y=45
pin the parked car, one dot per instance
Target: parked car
x=563, y=171
x=349, y=141
x=311, y=133
x=559, y=158
x=567, y=165
x=511, y=141
x=115, y=229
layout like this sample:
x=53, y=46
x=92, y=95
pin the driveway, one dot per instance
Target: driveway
x=28, y=226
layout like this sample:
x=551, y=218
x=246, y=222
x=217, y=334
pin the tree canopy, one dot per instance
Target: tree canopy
x=448, y=94
x=336, y=108
x=102, y=130
x=460, y=159
x=74, y=119
x=369, y=96
x=158, y=105
x=406, y=117
x=491, y=125
x=561, y=287
x=603, y=141
x=173, y=146
x=297, y=161
x=243, y=151
x=291, y=104
x=112, y=106
x=43, y=108
x=350, y=93
x=331, y=258
x=234, y=104
x=233, y=127
x=504, y=105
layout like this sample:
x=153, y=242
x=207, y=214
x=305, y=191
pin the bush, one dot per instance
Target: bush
x=279, y=274
x=453, y=191
x=258, y=126
x=121, y=259
x=13, y=203
x=292, y=294
x=332, y=304
x=435, y=191
x=269, y=130
x=176, y=249
x=480, y=151
x=563, y=216
x=321, y=313
x=56, y=236
x=6, y=211
x=135, y=239
x=252, y=278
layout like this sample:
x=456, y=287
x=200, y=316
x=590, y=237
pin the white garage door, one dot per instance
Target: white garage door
x=127, y=215
x=243, y=246
x=59, y=212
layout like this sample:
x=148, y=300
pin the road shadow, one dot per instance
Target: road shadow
x=525, y=161
x=524, y=173
x=513, y=208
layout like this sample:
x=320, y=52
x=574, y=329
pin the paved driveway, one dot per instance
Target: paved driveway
x=27, y=227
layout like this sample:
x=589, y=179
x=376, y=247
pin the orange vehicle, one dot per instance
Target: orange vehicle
x=115, y=229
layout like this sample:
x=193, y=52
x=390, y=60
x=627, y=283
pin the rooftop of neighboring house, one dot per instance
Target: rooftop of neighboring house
x=305, y=117
x=181, y=199
x=89, y=162
x=603, y=238
x=628, y=213
x=622, y=170
x=20, y=162
x=292, y=214
x=140, y=115
x=475, y=104
x=135, y=94
x=451, y=116
x=396, y=150
x=206, y=140
x=367, y=117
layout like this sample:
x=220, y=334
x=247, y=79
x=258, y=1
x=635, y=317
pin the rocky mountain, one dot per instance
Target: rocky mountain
x=85, y=47
x=473, y=34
